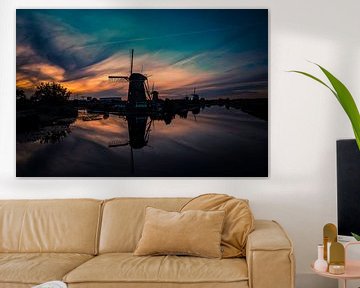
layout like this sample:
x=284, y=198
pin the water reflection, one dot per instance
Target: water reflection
x=212, y=141
x=52, y=133
x=139, y=132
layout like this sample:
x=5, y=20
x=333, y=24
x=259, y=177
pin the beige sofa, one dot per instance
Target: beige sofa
x=89, y=243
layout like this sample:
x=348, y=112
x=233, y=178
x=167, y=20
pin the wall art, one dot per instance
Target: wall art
x=145, y=92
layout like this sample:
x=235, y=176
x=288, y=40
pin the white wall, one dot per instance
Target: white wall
x=305, y=120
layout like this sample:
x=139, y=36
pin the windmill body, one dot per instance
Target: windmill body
x=138, y=88
x=195, y=97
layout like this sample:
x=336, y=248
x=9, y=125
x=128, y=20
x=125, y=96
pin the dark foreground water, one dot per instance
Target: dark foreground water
x=216, y=142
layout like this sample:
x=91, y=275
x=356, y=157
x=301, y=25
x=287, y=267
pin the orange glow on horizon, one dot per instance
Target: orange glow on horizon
x=165, y=77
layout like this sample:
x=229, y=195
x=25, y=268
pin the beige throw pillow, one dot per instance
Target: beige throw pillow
x=194, y=232
x=239, y=220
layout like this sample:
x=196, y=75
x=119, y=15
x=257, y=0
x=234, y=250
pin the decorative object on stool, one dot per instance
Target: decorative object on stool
x=329, y=236
x=320, y=264
x=340, y=266
x=337, y=258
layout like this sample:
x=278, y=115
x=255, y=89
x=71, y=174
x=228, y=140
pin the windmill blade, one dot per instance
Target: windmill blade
x=147, y=131
x=118, y=78
x=146, y=84
x=131, y=60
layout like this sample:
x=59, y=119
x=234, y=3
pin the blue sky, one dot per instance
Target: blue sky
x=224, y=53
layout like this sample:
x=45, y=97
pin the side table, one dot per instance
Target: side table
x=352, y=268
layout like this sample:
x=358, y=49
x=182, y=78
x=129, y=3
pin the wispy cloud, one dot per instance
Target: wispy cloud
x=100, y=44
x=50, y=49
x=57, y=42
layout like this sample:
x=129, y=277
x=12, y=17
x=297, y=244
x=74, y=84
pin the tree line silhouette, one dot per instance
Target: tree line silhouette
x=45, y=93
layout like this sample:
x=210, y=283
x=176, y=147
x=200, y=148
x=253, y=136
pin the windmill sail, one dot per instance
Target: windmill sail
x=137, y=92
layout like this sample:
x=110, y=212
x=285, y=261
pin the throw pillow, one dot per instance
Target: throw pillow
x=196, y=233
x=238, y=224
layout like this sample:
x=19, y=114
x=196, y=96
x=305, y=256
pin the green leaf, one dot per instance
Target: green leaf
x=344, y=97
x=356, y=236
x=347, y=102
x=316, y=79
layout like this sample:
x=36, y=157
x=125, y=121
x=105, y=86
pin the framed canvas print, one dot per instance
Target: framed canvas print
x=149, y=93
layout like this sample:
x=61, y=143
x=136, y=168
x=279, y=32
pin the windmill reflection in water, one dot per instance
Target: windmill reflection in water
x=139, y=102
x=139, y=132
x=143, y=104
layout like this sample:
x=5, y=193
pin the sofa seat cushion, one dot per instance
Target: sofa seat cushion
x=242, y=284
x=36, y=268
x=127, y=268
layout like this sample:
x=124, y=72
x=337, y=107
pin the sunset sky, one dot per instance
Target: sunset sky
x=223, y=53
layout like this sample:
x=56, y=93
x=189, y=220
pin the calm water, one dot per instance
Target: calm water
x=216, y=142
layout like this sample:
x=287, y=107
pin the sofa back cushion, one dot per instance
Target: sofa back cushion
x=123, y=220
x=66, y=226
x=238, y=224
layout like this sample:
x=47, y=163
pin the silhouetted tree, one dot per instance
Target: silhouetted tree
x=51, y=92
x=20, y=94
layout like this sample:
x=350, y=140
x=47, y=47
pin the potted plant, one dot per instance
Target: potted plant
x=345, y=99
x=357, y=237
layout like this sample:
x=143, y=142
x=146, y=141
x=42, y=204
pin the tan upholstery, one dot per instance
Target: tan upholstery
x=193, y=233
x=41, y=226
x=239, y=220
x=242, y=284
x=123, y=218
x=15, y=285
x=36, y=268
x=68, y=226
x=269, y=255
x=126, y=268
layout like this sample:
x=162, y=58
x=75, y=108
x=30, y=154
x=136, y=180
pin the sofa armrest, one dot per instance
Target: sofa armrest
x=269, y=256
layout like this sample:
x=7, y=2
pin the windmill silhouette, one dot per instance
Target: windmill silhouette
x=195, y=97
x=138, y=92
x=154, y=93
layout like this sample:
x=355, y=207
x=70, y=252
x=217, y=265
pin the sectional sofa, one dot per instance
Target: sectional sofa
x=90, y=243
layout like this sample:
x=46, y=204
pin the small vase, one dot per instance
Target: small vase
x=320, y=264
